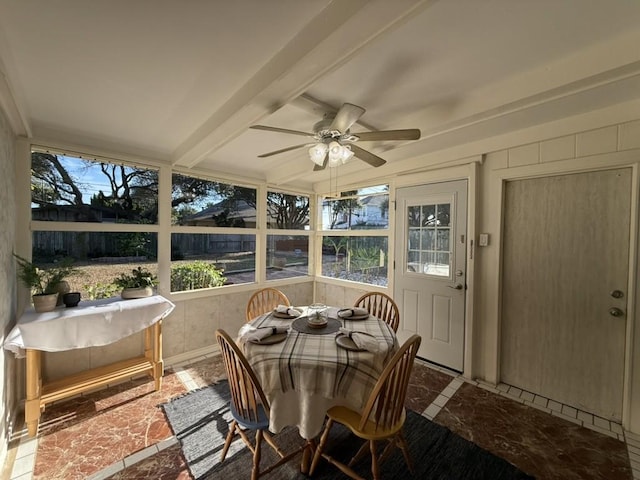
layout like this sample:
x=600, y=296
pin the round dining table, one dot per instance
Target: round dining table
x=304, y=370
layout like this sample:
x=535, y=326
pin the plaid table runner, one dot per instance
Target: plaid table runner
x=313, y=364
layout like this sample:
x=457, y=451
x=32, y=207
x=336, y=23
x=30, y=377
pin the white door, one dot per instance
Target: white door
x=430, y=280
x=564, y=288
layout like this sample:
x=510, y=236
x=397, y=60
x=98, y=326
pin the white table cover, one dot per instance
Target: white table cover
x=307, y=374
x=91, y=324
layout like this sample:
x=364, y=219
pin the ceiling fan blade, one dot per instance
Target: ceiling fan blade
x=281, y=130
x=282, y=150
x=317, y=167
x=408, y=134
x=346, y=116
x=368, y=157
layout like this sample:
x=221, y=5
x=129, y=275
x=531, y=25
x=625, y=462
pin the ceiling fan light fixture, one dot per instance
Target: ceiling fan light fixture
x=338, y=154
x=347, y=153
x=317, y=153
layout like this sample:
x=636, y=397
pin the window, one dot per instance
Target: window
x=287, y=253
x=287, y=212
x=363, y=209
x=103, y=214
x=213, y=242
x=109, y=211
x=99, y=256
x=206, y=203
x=348, y=254
x=428, y=237
x=287, y=256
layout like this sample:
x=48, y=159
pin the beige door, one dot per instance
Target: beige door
x=430, y=266
x=564, y=288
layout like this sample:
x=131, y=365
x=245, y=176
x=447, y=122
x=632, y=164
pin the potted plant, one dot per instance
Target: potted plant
x=44, y=283
x=137, y=284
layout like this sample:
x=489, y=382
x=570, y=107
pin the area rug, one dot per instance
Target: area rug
x=200, y=420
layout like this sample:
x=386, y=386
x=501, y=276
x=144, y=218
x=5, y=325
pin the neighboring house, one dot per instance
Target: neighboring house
x=373, y=210
x=224, y=214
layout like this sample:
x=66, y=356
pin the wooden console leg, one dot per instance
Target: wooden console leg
x=34, y=390
x=153, y=351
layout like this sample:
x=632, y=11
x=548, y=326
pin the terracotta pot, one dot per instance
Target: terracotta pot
x=128, y=293
x=62, y=287
x=45, y=302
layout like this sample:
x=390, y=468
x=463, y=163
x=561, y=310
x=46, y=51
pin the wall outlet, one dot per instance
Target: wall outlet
x=483, y=240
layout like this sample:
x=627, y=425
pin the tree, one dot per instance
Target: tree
x=289, y=211
x=62, y=181
x=343, y=205
x=50, y=176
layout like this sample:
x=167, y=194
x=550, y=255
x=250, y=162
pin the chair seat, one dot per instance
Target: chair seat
x=262, y=422
x=351, y=419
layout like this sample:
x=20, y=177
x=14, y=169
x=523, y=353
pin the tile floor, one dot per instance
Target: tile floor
x=119, y=433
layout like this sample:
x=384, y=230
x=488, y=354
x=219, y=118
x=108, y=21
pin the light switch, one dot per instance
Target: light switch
x=483, y=240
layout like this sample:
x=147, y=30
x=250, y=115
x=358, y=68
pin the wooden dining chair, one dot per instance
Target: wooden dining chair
x=264, y=301
x=382, y=418
x=382, y=306
x=249, y=406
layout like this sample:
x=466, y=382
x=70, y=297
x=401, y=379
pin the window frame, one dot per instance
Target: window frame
x=164, y=227
x=322, y=232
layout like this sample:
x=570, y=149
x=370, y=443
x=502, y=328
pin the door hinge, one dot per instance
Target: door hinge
x=471, y=249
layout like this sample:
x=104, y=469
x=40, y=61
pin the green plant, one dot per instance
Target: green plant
x=43, y=280
x=100, y=290
x=365, y=257
x=138, y=278
x=195, y=275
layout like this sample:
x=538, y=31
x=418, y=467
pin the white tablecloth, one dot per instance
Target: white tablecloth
x=307, y=374
x=91, y=324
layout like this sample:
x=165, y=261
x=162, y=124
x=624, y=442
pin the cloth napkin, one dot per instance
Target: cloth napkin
x=352, y=312
x=363, y=340
x=291, y=311
x=249, y=333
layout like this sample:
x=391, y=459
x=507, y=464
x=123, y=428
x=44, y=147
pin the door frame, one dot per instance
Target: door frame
x=469, y=172
x=630, y=159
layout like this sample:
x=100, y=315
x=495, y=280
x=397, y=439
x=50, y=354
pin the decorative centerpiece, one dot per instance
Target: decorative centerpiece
x=137, y=284
x=317, y=315
x=44, y=283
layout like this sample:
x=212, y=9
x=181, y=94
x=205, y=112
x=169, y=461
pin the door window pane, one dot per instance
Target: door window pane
x=432, y=255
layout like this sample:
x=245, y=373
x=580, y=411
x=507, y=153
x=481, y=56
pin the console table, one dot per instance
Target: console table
x=91, y=324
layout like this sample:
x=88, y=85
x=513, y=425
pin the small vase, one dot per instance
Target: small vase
x=71, y=299
x=128, y=293
x=44, y=302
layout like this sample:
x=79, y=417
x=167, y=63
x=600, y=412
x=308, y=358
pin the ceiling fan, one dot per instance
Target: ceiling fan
x=334, y=143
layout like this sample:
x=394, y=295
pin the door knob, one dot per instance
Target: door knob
x=617, y=294
x=615, y=312
x=457, y=286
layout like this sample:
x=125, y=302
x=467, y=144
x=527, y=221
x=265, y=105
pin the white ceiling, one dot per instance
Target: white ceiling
x=181, y=81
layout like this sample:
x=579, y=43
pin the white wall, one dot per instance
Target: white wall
x=8, y=365
x=609, y=145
